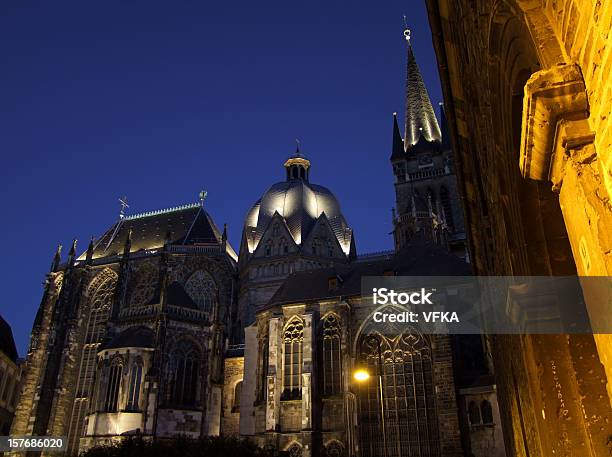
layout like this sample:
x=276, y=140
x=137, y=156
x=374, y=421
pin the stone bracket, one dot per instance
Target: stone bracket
x=553, y=97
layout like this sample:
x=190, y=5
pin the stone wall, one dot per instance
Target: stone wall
x=528, y=96
x=230, y=413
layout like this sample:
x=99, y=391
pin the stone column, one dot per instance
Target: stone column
x=274, y=373
x=307, y=351
x=249, y=386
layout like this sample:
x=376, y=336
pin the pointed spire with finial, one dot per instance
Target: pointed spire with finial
x=420, y=116
x=57, y=259
x=297, y=166
x=397, y=151
x=90, y=250
x=72, y=253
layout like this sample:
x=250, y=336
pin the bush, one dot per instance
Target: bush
x=180, y=447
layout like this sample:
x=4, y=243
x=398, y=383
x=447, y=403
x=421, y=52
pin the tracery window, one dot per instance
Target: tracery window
x=275, y=230
x=295, y=450
x=330, y=248
x=486, y=412
x=405, y=366
x=134, y=387
x=111, y=399
x=332, y=356
x=293, y=337
x=334, y=449
x=201, y=289
x=184, y=375
x=144, y=287
x=268, y=248
x=101, y=293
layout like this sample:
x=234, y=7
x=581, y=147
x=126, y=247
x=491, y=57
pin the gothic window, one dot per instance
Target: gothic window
x=184, y=375
x=334, y=449
x=268, y=248
x=275, y=230
x=486, y=412
x=332, y=356
x=100, y=292
x=474, y=413
x=446, y=206
x=201, y=289
x=404, y=364
x=113, y=384
x=330, y=248
x=283, y=246
x=134, y=387
x=144, y=287
x=293, y=337
x=295, y=450
x=237, y=394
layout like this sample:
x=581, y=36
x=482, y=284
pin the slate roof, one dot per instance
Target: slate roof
x=420, y=116
x=188, y=224
x=416, y=259
x=7, y=342
x=139, y=337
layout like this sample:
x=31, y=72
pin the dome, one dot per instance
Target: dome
x=300, y=203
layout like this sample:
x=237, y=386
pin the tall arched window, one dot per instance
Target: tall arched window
x=101, y=293
x=113, y=384
x=332, y=356
x=184, y=375
x=202, y=290
x=293, y=337
x=446, y=206
x=404, y=362
x=134, y=387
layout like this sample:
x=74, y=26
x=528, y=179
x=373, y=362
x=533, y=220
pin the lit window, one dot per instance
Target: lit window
x=113, y=385
x=332, y=356
x=134, y=389
x=292, y=368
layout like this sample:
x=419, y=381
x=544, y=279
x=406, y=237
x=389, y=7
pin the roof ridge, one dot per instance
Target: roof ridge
x=162, y=211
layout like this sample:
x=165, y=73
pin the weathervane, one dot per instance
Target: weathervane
x=406, y=29
x=123, y=201
x=203, y=195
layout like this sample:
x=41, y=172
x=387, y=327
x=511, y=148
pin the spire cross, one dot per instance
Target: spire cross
x=203, y=195
x=123, y=201
x=406, y=29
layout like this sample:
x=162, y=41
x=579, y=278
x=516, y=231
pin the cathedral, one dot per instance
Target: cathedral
x=161, y=329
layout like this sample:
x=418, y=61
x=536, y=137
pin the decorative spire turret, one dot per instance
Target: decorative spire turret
x=297, y=166
x=90, y=250
x=420, y=117
x=397, y=150
x=72, y=253
x=57, y=259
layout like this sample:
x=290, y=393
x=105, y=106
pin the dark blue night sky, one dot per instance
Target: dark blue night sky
x=157, y=100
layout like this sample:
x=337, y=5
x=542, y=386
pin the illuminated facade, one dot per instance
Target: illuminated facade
x=161, y=330
x=527, y=88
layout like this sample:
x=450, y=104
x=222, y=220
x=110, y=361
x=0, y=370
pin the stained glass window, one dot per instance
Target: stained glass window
x=331, y=355
x=293, y=337
x=184, y=375
x=201, y=289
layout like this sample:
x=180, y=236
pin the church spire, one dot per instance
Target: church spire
x=420, y=116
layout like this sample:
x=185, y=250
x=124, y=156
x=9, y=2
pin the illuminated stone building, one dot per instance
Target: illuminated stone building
x=160, y=330
x=528, y=99
x=129, y=337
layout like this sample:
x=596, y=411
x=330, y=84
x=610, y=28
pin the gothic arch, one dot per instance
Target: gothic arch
x=203, y=290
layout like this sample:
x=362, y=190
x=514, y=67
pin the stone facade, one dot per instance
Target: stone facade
x=527, y=92
x=10, y=377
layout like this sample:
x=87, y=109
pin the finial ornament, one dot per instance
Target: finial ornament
x=203, y=195
x=123, y=201
x=297, y=145
x=406, y=29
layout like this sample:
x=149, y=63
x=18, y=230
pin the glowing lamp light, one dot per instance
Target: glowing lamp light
x=361, y=375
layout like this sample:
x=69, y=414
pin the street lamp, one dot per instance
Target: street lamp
x=362, y=375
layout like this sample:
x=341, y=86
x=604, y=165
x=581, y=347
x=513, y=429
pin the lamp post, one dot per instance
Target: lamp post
x=362, y=375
